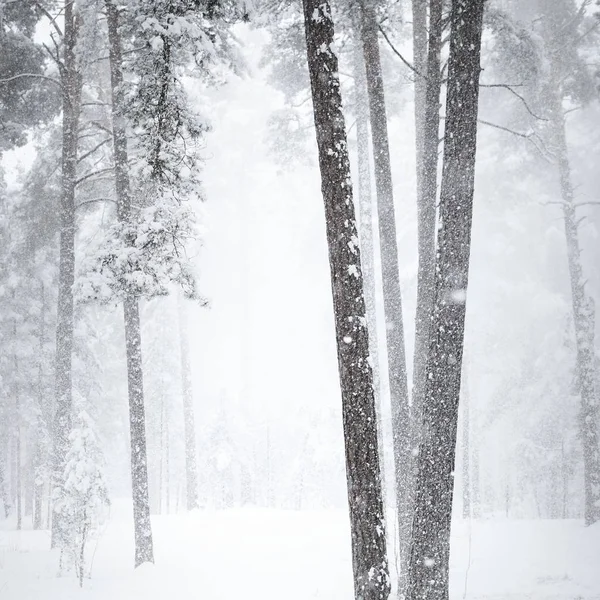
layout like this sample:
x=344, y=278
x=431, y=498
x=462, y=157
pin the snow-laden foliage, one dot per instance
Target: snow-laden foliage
x=174, y=39
x=83, y=500
x=142, y=257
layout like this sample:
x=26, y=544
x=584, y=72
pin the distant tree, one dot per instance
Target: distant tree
x=567, y=81
x=371, y=574
x=428, y=576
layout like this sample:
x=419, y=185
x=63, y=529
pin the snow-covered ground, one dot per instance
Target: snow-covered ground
x=272, y=554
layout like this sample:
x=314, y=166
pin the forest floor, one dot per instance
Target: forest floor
x=270, y=554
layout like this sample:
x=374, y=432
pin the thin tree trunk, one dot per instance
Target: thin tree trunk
x=426, y=214
x=466, y=450
x=3, y=492
x=71, y=90
x=430, y=548
x=191, y=477
x=137, y=427
x=427, y=177
x=365, y=232
x=392, y=297
x=38, y=484
x=18, y=461
x=371, y=576
x=584, y=320
x=133, y=340
x=161, y=453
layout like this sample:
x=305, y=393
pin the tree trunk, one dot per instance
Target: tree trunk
x=3, y=492
x=71, y=90
x=426, y=212
x=392, y=298
x=133, y=340
x=466, y=443
x=365, y=234
x=17, y=431
x=430, y=548
x=371, y=576
x=583, y=318
x=38, y=484
x=191, y=477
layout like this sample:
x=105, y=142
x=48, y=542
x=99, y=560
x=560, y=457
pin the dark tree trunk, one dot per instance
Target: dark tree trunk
x=371, y=576
x=71, y=90
x=133, y=341
x=430, y=548
x=392, y=298
x=191, y=478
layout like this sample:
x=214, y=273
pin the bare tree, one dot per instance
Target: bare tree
x=371, y=576
x=430, y=545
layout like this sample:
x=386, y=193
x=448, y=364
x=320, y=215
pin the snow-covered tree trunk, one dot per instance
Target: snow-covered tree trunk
x=371, y=575
x=191, y=477
x=430, y=547
x=392, y=297
x=583, y=318
x=133, y=339
x=71, y=96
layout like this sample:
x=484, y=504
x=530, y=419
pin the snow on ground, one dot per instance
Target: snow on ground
x=269, y=554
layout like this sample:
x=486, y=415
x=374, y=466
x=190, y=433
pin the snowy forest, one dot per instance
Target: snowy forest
x=297, y=299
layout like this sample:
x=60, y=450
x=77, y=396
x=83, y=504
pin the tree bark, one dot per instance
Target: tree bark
x=71, y=91
x=392, y=297
x=133, y=340
x=430, y=548
x=365, y=234
x=426, y=211
x=191, y=476
x=583, y=318
x=371, y=575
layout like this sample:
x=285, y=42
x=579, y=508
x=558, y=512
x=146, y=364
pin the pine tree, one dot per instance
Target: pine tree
x=428, y=576
x=371, y=575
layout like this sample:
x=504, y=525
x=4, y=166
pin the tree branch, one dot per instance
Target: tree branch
x=505, y=86
x=52, y=19
x=92, y=174
x=34, y=75
x=397, y=53
x=94, y=200
x=96, y=147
